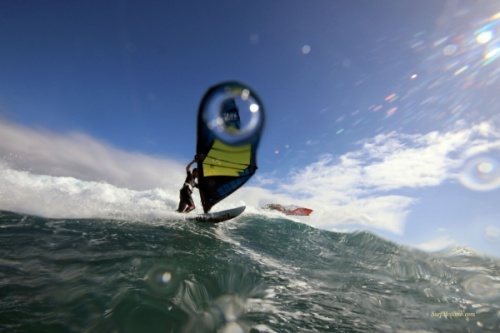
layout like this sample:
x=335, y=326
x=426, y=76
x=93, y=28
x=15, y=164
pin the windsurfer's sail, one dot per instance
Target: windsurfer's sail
x=224, y=165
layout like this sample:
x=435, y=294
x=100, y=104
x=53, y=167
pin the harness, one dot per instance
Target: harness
x=189, y=182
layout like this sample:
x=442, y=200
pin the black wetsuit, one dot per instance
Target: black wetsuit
x=186, y=201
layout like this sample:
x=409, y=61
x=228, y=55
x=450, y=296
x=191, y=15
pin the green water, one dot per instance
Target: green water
x=253, y=274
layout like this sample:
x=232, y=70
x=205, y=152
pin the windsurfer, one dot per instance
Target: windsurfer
x=186, y=203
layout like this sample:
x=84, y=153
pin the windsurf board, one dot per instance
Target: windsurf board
x=216, y=217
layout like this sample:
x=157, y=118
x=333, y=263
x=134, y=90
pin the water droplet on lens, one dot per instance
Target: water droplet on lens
x=484, y=168
x=233, y=113
x=481, y=286
x=450, y=49
x=481, y=174
x=161, y=279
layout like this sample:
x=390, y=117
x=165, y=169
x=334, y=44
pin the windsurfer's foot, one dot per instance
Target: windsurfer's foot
x=190, y=208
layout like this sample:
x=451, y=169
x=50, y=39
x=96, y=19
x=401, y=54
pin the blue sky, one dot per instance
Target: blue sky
x=381, y=115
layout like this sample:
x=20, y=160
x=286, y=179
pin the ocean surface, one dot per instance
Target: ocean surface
x=256, y=273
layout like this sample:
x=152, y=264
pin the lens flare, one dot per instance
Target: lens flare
x=245, y=94
x=166, y=277
x=391, y=98
x=492, y=53
x=484, y=37
x=391, y=111
x=481, y=174
x=461, y=70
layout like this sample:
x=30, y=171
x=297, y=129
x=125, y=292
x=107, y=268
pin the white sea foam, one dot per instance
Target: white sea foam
x=68, y=197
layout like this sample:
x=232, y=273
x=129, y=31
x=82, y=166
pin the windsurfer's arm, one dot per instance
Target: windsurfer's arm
x=188, y=168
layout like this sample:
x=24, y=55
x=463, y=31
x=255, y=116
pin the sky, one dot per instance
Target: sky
x=380, y=115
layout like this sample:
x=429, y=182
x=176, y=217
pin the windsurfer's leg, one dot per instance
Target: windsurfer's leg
x=190, y=203
x=183, y=203
x=182, y=206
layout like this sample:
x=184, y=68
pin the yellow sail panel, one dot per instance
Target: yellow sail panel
x=225, y=160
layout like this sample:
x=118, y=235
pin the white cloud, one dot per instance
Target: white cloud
x=78, y=155
x=492, y=234
x=360, y=187
x=437, y=244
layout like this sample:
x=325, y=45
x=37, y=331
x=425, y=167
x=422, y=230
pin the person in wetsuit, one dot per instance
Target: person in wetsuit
x=186, y=203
